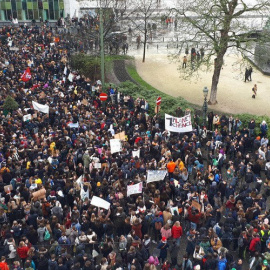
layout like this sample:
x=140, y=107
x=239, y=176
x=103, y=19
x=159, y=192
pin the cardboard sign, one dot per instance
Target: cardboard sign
x=121, y=136
x=85, y=102
x=40, y=194
x=8, y=188
x=196, y=205
x=98, y=202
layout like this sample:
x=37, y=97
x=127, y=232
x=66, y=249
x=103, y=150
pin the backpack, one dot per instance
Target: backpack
x=158, y=225
x=47, y=234
x=258, y=246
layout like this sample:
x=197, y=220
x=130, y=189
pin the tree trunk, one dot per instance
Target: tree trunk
x=215, y=79
x=144, y=49
x=145, y=41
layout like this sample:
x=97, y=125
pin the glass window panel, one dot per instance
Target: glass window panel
x=36, y=17
x=29, y=5
x=9, y=15
x=35, y=5
x=19, y=14
x=19, y=5
x=51, y=14
x=8, y=5
x=45, y=5
x=30, y=14
x=56, y=6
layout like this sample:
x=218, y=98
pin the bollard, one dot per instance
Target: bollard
x=163, y=39
x=147, y=47
x=157, y=46
x=167, y=46
x=177, y=46
x=177, y=39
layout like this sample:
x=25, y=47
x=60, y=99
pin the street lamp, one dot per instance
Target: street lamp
x=205, y=107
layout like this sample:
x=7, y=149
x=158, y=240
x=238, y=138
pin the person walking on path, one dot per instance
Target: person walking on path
x=246, y=75
x=184, y=62
x=254, y=90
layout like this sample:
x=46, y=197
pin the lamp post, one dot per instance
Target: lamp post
x=205, y=106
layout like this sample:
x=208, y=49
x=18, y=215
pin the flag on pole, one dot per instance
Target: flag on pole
x=26, y=75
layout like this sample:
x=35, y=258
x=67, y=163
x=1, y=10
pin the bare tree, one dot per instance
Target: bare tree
x=219, y=25
x=141, y=13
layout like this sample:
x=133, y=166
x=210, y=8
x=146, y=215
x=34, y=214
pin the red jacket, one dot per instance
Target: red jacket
x=22, y=252
x=177, y=232
x=194, y=218
x=253, y=242
x=4, y=266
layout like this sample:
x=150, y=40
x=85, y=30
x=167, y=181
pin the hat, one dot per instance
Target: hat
x=265, y=262
x=164, y=239
x=151, y=260
x=38, y=181
x=98, y=184
x=197, y=267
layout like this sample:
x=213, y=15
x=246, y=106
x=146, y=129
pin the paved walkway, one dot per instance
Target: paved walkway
x=234, y=95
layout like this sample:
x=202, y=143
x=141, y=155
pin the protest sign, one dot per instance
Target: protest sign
x=136, y=153
x=97, y=165
x=84, y=193
x=27, y=117
x=40, y=194
x=115, y=145
x=196, y=205
x=85, y=102
x=134, y=189
x=121, y=136
x=98, y=202
x=73, y=125
x=8, y=188
x=40, y=107
x=175, y=124
x=155, y=175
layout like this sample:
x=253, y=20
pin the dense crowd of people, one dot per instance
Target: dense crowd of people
x=209, y=212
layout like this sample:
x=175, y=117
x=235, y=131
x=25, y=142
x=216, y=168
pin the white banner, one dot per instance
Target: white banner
x=175, y=124
x=27, y=117
x=73, y=125
x=98, y=202
x=115, y=145
x=134, y=189
x=136, y=153
x=40, y=107
x=156, y=175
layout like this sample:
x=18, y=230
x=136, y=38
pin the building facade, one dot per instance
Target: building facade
x=31, y=9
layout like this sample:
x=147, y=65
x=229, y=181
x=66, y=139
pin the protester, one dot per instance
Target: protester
x=57, y=157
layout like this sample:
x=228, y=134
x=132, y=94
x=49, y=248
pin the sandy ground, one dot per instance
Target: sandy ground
x=234, y=95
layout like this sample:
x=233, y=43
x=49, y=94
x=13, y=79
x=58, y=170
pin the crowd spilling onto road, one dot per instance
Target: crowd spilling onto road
x=210, y=211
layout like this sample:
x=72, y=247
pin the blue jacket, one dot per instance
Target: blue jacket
x=222, y=263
